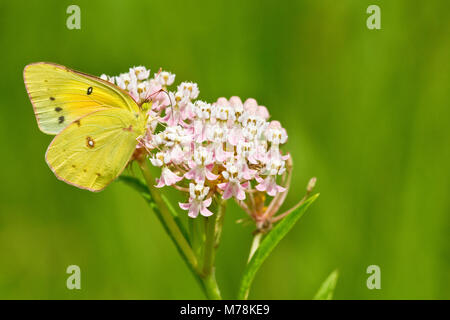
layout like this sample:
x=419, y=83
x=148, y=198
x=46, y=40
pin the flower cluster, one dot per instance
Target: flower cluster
x=228, y=148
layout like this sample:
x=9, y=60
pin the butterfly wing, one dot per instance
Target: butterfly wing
x=60, y=95
x=92, y=151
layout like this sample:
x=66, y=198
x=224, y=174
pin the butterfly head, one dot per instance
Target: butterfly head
x=146, y=105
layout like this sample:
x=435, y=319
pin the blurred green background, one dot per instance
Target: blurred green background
x=366, y=111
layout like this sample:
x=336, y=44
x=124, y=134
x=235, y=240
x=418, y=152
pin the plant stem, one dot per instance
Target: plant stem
x=167, y=217
x=196, y=230
x=209, y=244
x=209, y=279
x=211, y=287
x=219, y=222
x=255, y=245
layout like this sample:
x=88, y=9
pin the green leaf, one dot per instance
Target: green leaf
x=327, y=288
x=268, y=244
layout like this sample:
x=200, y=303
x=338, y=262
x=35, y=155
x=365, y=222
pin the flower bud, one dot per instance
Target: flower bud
x=311, y=184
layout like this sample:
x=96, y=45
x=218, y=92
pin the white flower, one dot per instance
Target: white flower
x=107, y=78
x=159, y=159
x=224, y=113
x=142, y=89
x=165, y=78
x=140, y=73
x=201, y=109
x=189, y=89
x=196, y=203
x=276, y=134
x=124, y=81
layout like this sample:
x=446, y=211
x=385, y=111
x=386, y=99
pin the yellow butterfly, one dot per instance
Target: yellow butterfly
x=97, y=124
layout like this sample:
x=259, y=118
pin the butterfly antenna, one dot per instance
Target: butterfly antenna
x=170, y=101
x=168, y=95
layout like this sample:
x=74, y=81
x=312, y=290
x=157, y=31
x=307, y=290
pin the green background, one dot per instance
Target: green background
x=366, y=111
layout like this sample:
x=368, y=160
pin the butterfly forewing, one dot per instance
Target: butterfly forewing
x=60, y=95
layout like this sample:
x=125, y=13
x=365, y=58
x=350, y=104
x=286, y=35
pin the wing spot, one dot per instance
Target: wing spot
x=84, y=170
x=52, y=98
x=98, y=174
x=58, y=109
x=90, y=142
x=78, y=122
x=61, y=119
x=89, y=90
x=74, y=166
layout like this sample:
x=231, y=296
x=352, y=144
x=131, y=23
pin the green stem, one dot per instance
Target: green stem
x=196, y=233
x=209, y=279
x=209, y=244
x=211, y=287
x=219, y=223
x=167, y=217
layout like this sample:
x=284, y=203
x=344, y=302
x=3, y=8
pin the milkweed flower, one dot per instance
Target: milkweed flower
x=167, y=178
x=197, y=202
x=201, y=166
x=165, y=78
x=233, y=186
x=225, y=149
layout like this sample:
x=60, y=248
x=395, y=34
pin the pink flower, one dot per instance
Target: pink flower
x=198, y=173
x=275, y=133
x=173, y=116
x=159, y=98
x=200, y=131
x=248, y=151
x=196, y=203
x=251, y=106
x=176, y=154
x=202, y=121
x=168, y=178
x=233, y=188
x=235, y=135
x=247, y=173
x=269, y=184
x=201, y=166
x=179, y=111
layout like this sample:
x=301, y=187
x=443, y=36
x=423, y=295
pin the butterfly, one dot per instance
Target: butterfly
x=97, y=124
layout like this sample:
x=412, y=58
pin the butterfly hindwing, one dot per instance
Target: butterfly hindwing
x=60, y=95
x=92, y=151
